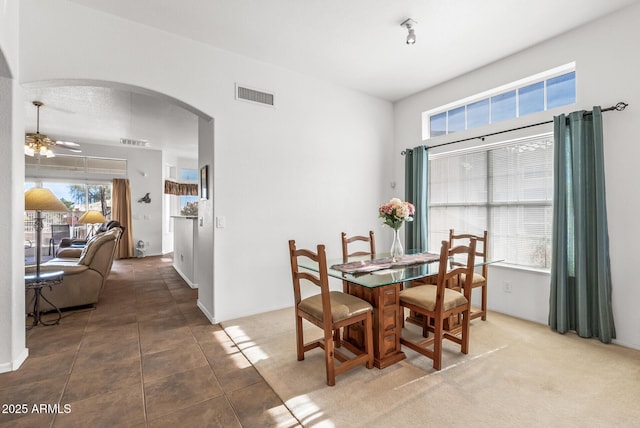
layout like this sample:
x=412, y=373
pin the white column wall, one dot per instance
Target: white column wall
x=607, y=70
x=12, y=323
x=313, y=166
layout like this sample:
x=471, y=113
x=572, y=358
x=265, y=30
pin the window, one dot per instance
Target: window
x=189, y=204
x=551, y=89
x=531, y=99
x=505, y=188
x=76, y=167
x=78, y=197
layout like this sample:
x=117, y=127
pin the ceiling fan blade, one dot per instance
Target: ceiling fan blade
x=67, y=144
x=71, y=149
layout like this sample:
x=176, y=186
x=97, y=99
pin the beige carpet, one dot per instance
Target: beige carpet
x=516, y=374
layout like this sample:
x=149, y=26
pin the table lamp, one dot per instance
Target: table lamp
x=39, y=199
x=91, y=218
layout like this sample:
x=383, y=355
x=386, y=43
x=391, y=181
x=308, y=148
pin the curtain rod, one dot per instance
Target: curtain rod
x=618, y=107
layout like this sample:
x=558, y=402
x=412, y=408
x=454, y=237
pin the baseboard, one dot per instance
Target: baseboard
x=15, y=364
x=206, y=313
x=185, y=277
x=625, y=344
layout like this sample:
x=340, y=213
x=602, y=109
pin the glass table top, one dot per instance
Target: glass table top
x=378, y=278
x=52, y=276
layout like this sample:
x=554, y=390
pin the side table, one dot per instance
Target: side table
x=37, y=283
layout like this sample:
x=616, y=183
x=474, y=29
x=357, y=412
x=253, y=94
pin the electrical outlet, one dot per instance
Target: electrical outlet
x=506, y=287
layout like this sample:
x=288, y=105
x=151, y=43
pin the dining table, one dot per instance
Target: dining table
x=378, y=279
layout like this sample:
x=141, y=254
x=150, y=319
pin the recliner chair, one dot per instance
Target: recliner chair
x=76, y=244
x=83, y=277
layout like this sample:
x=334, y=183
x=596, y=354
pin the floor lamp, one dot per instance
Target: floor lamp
x=39, y=199
x=91, y=218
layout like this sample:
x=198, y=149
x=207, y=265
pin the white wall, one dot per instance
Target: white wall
x=315, y=165
x=12, y=322
x=607, y=69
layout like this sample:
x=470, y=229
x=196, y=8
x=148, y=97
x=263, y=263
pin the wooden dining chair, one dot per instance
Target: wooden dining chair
x=366, y=249
x=360, y=246
x=438, y=303
x=479, y=280
x=330, y=311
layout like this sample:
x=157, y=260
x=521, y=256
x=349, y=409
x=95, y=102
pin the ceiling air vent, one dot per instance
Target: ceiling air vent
x=135, y=143
x=252, y=95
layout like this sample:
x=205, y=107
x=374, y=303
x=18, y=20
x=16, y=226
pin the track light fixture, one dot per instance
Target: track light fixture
x=409, y=24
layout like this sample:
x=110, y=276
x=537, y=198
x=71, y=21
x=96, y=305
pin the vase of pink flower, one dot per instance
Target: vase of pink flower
x=395, y=213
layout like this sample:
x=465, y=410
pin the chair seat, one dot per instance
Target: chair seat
x=425, y=296
x=477, y=278
x=343, y=306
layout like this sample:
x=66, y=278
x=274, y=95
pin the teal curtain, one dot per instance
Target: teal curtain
x=416, y=169
x=580, y=297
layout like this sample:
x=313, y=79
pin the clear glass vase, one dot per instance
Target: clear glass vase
x=396, y=246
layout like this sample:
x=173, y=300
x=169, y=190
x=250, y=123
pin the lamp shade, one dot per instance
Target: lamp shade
x=41, y=199
x=92, y=217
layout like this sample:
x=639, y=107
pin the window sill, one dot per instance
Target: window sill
x=522, y=268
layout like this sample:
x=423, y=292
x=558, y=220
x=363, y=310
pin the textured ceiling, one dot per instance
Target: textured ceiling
x=87, y=115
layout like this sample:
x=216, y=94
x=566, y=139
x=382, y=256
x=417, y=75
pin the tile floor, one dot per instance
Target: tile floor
x=144, y=357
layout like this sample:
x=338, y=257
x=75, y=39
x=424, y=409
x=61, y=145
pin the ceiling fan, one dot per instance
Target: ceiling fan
x=42, y=145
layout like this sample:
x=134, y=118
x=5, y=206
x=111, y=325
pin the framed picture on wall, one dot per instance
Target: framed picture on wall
x=204, y=182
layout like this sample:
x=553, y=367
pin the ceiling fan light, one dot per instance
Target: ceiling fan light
x=40, y=144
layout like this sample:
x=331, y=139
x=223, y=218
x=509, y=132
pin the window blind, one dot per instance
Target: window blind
x=505, y=188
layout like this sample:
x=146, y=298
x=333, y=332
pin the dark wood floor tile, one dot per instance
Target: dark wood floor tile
x=195, y=317
x=163, y=341
x=216, y=412
x=29, y=420
x=46, y=340
x=113, y=318
x=213, y=334
x=181, y=390
x=144, y=356
x=258, y=406
x=89, y=355
x=76, y=318
x=37, y=368
x=157, y=313
x=166, y=363
x=47, y=391
x=174, y=284
x=183, y=294
x=120, y=408
x=105, y=377
x=162, y=324
x=97, y=333
x=147, y=281
x=235, y=372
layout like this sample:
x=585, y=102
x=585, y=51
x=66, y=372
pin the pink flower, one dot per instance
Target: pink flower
x=395, y=212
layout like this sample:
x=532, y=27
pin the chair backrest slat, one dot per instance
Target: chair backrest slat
x=349, y=240
x=447, y=275
x=482, y=246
